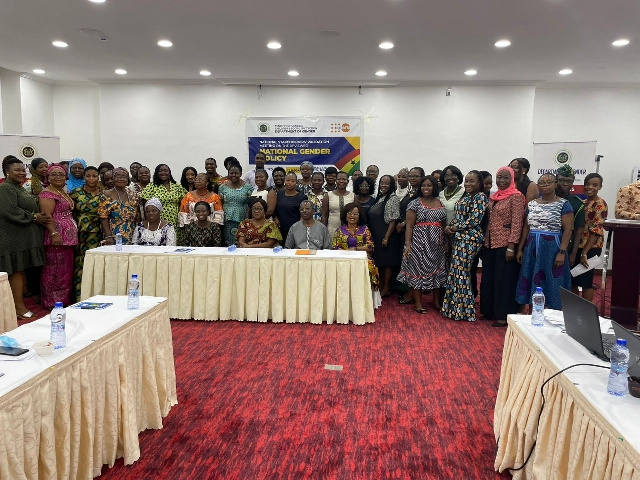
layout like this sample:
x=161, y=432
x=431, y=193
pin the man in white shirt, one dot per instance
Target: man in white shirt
x=250, y=176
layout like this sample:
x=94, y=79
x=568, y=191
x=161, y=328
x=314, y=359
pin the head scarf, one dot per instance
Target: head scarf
x=73, y=182
x=510, y=190
x=155, y=202
x=56, y=166
x=566, y=171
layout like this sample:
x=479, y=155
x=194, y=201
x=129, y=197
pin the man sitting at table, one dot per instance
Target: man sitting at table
x=308, y=234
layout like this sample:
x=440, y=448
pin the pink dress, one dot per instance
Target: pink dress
x=57, y=273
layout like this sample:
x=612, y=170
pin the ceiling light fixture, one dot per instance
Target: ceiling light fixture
x=39, y=71
x=622, y=42
x=565, y=71
x=165, y=43
x=386, y=45
x=59, y=44
x=471, y=72
x=97, y=1
x=381, y=73
x=274, y=45
x=205, y=73
x=502, y=43
x=293, y=73
x=121, y=71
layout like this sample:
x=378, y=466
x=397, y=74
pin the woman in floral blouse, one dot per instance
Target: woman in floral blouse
x=257, y=231
x=596, y=211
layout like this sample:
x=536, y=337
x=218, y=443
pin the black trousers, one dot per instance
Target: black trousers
x=498, y=286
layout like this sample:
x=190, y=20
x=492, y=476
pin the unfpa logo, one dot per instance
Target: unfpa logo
x=340, y=127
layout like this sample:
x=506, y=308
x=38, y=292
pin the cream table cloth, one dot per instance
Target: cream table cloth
x=248, y=284
x=68, y=414
x=8, y=318
x=584, y=432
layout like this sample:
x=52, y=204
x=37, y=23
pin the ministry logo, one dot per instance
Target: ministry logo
x=28, y=151
x=264, y=128
x=562, y=157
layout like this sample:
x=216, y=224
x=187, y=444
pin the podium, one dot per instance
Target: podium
x=626, y=271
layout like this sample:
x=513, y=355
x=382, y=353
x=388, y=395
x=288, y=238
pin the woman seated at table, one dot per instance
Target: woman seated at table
x=202, y=232
x=154, y=231
x=353, y=234
x=257, y=231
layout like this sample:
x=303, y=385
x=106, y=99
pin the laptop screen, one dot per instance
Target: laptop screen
x=582, y=323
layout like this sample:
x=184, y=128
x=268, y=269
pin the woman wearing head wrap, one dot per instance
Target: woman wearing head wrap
x=154, y=230
x=60, y=236
x=76, y=174
x=499, y=269
x=38, y=180
x=118, y=209
x=566, y=176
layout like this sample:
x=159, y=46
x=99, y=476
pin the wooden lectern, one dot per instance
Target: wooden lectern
x=626, y=271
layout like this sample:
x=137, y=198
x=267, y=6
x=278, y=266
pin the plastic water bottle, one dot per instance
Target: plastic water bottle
x=232, y=248
x=277, y=249
x=618, y=384
x=118, y=242
x=133, y=300
x=537, y=314
x=58, y=318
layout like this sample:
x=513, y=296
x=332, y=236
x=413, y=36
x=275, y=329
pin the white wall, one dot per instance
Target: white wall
x=37, y=107
x=10, y=111
x=76, y=112
x=609, y=115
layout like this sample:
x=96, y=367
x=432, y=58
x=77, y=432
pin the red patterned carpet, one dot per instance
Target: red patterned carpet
x=414, y=400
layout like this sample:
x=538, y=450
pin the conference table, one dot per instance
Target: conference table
x=584, y=432
x=253, y=284
x=8, y=318
x=67, y=414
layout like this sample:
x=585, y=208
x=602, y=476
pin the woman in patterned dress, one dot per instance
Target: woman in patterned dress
x=257, y=231
x=60, y=238
x=38, y=180
x=235, y=194
x=353, y=234
x=596, y=211
x=316, y=194
x=85, y=212
x=202, y=232
x=170, y=194
x=543, y=245
x=466, y=236
x=154, y=231
x=423, y=264
x=118, y=209
x=203, y=192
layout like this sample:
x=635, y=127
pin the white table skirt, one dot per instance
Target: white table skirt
x=68, y=414
x=248, y=284
x=584, y=432
x=8, y=318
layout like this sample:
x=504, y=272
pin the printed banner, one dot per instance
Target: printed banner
x=580, y=156
x=26, y=147
x=323, y=141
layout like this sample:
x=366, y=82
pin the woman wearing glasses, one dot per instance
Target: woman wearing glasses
x=542, y=250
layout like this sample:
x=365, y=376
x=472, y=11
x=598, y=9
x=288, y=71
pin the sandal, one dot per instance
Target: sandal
x=421, y=311
x=402, y=301
x=26, y=316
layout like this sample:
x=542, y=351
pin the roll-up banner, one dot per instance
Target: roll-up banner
x=581, y=156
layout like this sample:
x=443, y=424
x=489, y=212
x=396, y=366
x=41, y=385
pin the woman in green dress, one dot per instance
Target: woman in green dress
x=164, y=188
x=85, y=212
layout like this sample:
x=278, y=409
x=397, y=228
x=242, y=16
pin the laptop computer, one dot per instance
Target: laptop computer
x=633, y=344
x=582, y=323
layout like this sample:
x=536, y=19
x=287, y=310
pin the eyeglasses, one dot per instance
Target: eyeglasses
x=59, y=174
x=545, y=184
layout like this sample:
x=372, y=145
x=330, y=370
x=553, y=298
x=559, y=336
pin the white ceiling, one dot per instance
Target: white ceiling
x=435, y=41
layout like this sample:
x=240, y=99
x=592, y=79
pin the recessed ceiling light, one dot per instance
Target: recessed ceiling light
x=622, y=42
x=39, y=71
x=471, y=72
x=565, y=71
x=502, y=43
x=165, y=43
x=381, y=73
x=59, y=44
x=293, y=73
x=274, y=45
x=97, y=1
x=386, y=45
x=121, y=71
x=205, y=73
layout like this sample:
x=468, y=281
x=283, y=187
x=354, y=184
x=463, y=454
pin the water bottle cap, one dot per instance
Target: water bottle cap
x=134, y=276
x=59, y=305
x=622, y=341
x=538, y=289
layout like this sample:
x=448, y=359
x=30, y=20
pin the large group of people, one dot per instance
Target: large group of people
x=423, y=233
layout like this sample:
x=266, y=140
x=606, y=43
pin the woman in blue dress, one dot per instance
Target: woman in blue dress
x=543, y=245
